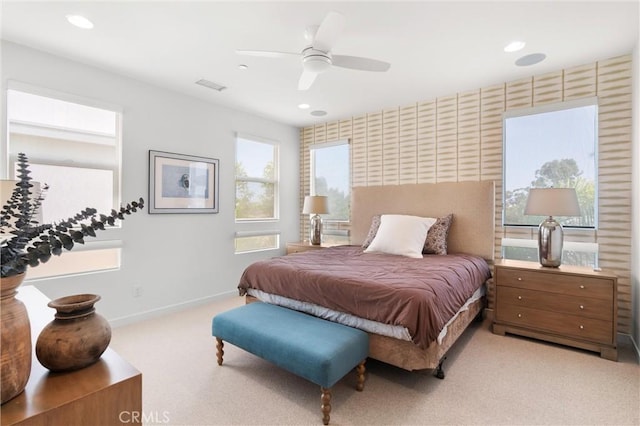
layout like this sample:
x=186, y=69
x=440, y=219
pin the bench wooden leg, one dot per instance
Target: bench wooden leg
x=360, y=370
x=325, y=399
x=220, y=351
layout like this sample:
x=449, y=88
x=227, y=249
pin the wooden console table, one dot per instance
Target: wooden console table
x=108, y=392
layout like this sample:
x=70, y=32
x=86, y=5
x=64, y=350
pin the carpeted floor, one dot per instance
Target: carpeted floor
x=490, y=380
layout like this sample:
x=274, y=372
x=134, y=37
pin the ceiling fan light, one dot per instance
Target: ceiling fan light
x=316, y=63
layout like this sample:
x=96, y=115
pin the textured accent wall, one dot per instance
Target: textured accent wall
x=459, y=138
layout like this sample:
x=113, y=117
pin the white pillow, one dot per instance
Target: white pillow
x=402, y=235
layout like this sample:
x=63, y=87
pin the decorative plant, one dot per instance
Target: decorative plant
x=33, y=243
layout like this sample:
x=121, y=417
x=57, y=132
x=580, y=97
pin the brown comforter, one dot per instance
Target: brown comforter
x=419, y=294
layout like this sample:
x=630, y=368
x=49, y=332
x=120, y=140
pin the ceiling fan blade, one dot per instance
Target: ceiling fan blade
x=266, y=53
x=329, y=31
x=357, y=63
x=306, y=80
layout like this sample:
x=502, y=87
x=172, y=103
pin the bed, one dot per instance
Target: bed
x=348, y=284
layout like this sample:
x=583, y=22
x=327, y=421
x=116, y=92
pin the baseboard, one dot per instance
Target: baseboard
x=154, y=313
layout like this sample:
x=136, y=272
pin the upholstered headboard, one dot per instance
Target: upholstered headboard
x=472, y=205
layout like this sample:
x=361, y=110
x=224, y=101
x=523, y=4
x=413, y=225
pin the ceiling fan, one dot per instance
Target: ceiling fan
x=317, y=57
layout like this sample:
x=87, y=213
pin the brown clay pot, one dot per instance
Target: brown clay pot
x=76, y=338
x=16, y=339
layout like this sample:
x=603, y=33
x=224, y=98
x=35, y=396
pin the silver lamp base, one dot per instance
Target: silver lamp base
x=550, y=240
x=315, y=232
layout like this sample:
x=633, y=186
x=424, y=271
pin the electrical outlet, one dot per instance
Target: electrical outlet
x=137, y=290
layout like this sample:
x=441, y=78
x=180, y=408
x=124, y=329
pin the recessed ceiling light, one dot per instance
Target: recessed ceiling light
x=318, y=113
x=531, y=59
x=304, y=106
x=243, y=66
x=514, y=46
x=80, y=21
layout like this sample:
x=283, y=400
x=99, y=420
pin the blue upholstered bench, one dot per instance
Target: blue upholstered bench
x=318, y=350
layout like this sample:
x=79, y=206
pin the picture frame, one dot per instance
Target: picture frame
x=180, y=183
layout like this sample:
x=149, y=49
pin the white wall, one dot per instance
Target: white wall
x=179, y=258
x=635, y=247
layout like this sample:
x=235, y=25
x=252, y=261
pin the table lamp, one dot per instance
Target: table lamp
x=551, y=202
x=315, y=205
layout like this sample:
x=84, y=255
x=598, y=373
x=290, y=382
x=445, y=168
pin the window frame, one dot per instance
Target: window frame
x=312, y=176
x=275, y=181
x=548, y=108
x=66, y=97
x=109, y=241
x=259, y=227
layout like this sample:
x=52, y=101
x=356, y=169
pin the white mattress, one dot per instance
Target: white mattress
x=395, y=331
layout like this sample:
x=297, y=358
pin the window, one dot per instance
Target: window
x=330, y=176
x=256, y=183
x=552, y=146
x=256, y=193
x=573, y=253
x=252, y=242
x=73, y=145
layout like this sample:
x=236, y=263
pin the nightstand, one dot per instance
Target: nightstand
x=570, y=305
x=300, y=246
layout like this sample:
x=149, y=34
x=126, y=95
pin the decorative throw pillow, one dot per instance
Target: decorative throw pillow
x=375, y=224
x=436, y=242
x=402, y=235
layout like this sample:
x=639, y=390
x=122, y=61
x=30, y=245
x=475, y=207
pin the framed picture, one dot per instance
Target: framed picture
x=182, y=183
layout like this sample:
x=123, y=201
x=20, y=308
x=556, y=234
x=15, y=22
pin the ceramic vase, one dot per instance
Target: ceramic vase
x=76, y=338
x=16, y=339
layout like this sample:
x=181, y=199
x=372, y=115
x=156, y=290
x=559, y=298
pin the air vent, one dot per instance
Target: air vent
x=211, y=85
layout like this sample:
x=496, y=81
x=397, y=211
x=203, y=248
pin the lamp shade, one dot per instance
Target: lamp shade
x=552, y=202
x=316, y=204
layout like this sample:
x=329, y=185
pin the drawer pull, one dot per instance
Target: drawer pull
x=581, y=306
x=519, y=297
x=582, y=327
x=519, y=315
x=519, y=278
x=582, y=286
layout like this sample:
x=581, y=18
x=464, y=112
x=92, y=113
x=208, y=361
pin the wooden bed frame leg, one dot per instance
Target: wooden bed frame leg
x=220, y=350
x=439, y=373
x=360, y=370
x=325, y=399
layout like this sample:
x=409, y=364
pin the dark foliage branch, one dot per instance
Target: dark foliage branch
x=33, y=243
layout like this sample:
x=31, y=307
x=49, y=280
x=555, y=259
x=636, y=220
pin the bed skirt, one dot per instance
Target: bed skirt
x=406, y=354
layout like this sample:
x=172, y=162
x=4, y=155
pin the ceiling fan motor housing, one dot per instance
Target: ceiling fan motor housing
x=316, y=61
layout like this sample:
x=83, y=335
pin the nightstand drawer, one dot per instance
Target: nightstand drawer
x=582, y=306
x=577, y=285
x=563, y=324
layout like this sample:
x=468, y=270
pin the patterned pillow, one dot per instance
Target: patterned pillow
x=436, y=242
x=373, y=230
